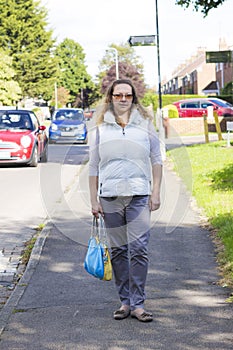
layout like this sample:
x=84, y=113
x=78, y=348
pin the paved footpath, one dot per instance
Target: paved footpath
x=58, y=306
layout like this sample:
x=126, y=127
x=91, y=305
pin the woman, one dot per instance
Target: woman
x=124, y=153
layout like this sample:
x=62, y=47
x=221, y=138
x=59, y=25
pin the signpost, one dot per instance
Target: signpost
x=142, y=40
x=149, y=40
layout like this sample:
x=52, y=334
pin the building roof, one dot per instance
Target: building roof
x=211, y=88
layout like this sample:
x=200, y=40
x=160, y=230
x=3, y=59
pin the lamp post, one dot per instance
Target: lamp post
x=55, y=94
x=158, y=55
x=159, y=111
x=231, y=71
x=116, y=61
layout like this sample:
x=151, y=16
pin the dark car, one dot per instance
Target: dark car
x=197, y=107
x=22, y=139
x=68, y=125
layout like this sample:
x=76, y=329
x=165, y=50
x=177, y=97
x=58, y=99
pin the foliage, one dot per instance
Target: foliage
x=212, y=174
x=29, y=245
x=228, y=89
x=151, y=97
x=10, y=91
x=126, y=71
x=129, y=67
x=87, y=98
x=172, y=111
x=72, y=73
x=204, y=5
x=125, y=54
x=23, y=34
x=63, y=97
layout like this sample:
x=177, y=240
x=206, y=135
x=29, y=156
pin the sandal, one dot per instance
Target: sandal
x=120, y=314
x=143, y=317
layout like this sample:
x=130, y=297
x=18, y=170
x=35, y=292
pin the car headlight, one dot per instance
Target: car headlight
x=25, y=141
x=81, y=127
x=54, y=127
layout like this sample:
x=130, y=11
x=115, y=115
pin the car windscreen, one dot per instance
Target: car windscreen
x=69, y=114
x=222, y=103
x=15, y=121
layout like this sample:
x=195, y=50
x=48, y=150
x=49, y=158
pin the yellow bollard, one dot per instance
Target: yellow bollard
x=218, y=128
x=206, y=129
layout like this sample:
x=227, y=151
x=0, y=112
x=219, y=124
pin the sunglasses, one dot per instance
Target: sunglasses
x=119, y=97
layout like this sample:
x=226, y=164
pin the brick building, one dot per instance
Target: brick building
x=195, y=76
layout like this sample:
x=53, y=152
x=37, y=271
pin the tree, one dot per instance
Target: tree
x=204, y=5
x=10, y=91
x=125, y=54
x=228, y=89
x=87, y=98
x=126, y=71
x=24, y=36
x=73, y=73
x=129, y=66
x=63, y=97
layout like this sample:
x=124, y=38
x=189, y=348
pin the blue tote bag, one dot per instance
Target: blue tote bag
x=94, y=259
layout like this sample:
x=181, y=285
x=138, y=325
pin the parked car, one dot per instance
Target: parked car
x=197, y=107
x=68, y=125
x=22, y=139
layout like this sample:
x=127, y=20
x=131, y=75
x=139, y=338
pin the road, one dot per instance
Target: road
x=29, y=196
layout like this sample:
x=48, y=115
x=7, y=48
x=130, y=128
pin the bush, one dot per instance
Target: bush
x=172, y=111
x=151, y=97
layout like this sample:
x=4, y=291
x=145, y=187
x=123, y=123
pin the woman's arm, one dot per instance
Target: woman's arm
x=95, y=205
x=157, y=168
x=155, y=194
x=93, y=173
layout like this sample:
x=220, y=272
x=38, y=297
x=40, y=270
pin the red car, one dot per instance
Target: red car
x=197, y=107
x=22, y=139
x=88, y=114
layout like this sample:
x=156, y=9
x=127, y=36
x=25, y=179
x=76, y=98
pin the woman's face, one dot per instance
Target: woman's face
x=122, y=98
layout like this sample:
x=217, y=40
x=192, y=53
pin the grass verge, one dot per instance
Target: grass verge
x=207, y=171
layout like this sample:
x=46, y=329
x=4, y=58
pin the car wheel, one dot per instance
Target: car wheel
x=44, y=156
x=34, y=160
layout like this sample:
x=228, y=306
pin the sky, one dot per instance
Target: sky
x=95, y=24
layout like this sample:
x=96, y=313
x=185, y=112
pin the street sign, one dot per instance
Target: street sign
x=219, y=56
x=229, y=126
x=143, y=40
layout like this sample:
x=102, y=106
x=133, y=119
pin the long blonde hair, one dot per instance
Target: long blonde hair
x=107, y=104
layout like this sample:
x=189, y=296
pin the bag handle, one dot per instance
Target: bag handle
x=95, y=227
x=102, y=230
x=99, y=229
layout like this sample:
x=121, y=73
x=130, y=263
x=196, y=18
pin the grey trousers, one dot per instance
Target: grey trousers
x=127, y=220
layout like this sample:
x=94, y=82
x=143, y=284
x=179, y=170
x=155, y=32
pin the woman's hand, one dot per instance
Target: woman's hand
x=154, y=202
x=97, y=209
